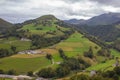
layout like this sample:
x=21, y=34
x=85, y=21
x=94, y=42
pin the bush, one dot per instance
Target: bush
x=62, y=71
x=47, y=73
x=30, y=73
x=62, y=54
x=89, y=53
x=1, y=72
x=11, y=72
x=117, y=70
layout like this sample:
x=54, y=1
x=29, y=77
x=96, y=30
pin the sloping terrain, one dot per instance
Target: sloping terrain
x=4, y=25
x=75, y=45
x=44, y=24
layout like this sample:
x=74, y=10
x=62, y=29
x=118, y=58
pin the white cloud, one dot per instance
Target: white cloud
x=20, y=10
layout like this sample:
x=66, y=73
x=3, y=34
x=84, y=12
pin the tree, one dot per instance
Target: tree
x=104, y=52
x=1, y=72
x=11, y=72
x=62, y=71
x=89, y=53
x=62, y=54
x=116, y=77
x=117, y=70
x=72, y=63
x=13, y=48
x=30, y=73
x=4, y=53
x=47, y=73
x=49, y=57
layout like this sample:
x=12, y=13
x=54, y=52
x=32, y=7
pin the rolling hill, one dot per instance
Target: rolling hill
x=4, y=25
x=48, y=29
x=47, y=25
x=75, y=45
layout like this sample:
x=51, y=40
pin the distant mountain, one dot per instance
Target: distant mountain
x=103, y=19
x=4, y=25
x=107, y=33
x=105, y=26
x=74, y=21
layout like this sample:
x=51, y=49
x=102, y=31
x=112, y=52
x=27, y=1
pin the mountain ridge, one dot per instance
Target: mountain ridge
x=103, y=19
x=4, y=25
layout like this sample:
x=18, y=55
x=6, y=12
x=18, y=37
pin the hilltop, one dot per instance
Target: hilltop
x=48, y=28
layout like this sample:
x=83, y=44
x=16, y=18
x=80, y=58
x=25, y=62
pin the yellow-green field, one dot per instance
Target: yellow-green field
x=12, y=41
x=108, y=65
x=75, y=45
x=53, y=28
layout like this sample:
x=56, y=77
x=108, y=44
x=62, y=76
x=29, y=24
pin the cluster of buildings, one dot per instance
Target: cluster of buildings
x=28, y=52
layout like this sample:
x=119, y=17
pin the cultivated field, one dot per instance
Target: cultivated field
x=75, y=45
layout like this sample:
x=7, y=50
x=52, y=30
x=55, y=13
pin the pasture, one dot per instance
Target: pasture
x=12, y=41
x=75, y=45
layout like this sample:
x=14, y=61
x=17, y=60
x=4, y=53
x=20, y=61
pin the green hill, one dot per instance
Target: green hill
x=45, y=25
x=48, y=35
x=4, y=25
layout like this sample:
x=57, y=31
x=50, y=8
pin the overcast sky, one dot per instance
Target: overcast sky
x=20, y=10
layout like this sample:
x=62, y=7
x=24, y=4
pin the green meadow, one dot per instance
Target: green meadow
x=75, y=45
x=23, y=65
x=40, y=29
x=12, y=41
x=108, y=65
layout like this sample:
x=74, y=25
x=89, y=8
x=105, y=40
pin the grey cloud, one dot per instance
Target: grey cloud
x=16, y=18
x=16, y=1
x=115, y=3
x=73, y=1
x=20, y=10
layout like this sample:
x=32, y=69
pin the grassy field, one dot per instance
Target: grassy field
x=23, y=65
x=12, y=41
x=43, y=29
x=74, y=45
x=5, y=79
x=108, y=65
x=102, y=66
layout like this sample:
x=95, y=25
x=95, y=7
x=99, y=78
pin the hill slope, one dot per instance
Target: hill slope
x=47, y=25
x=105, y=26
x=75, y=45
x=4, y=25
